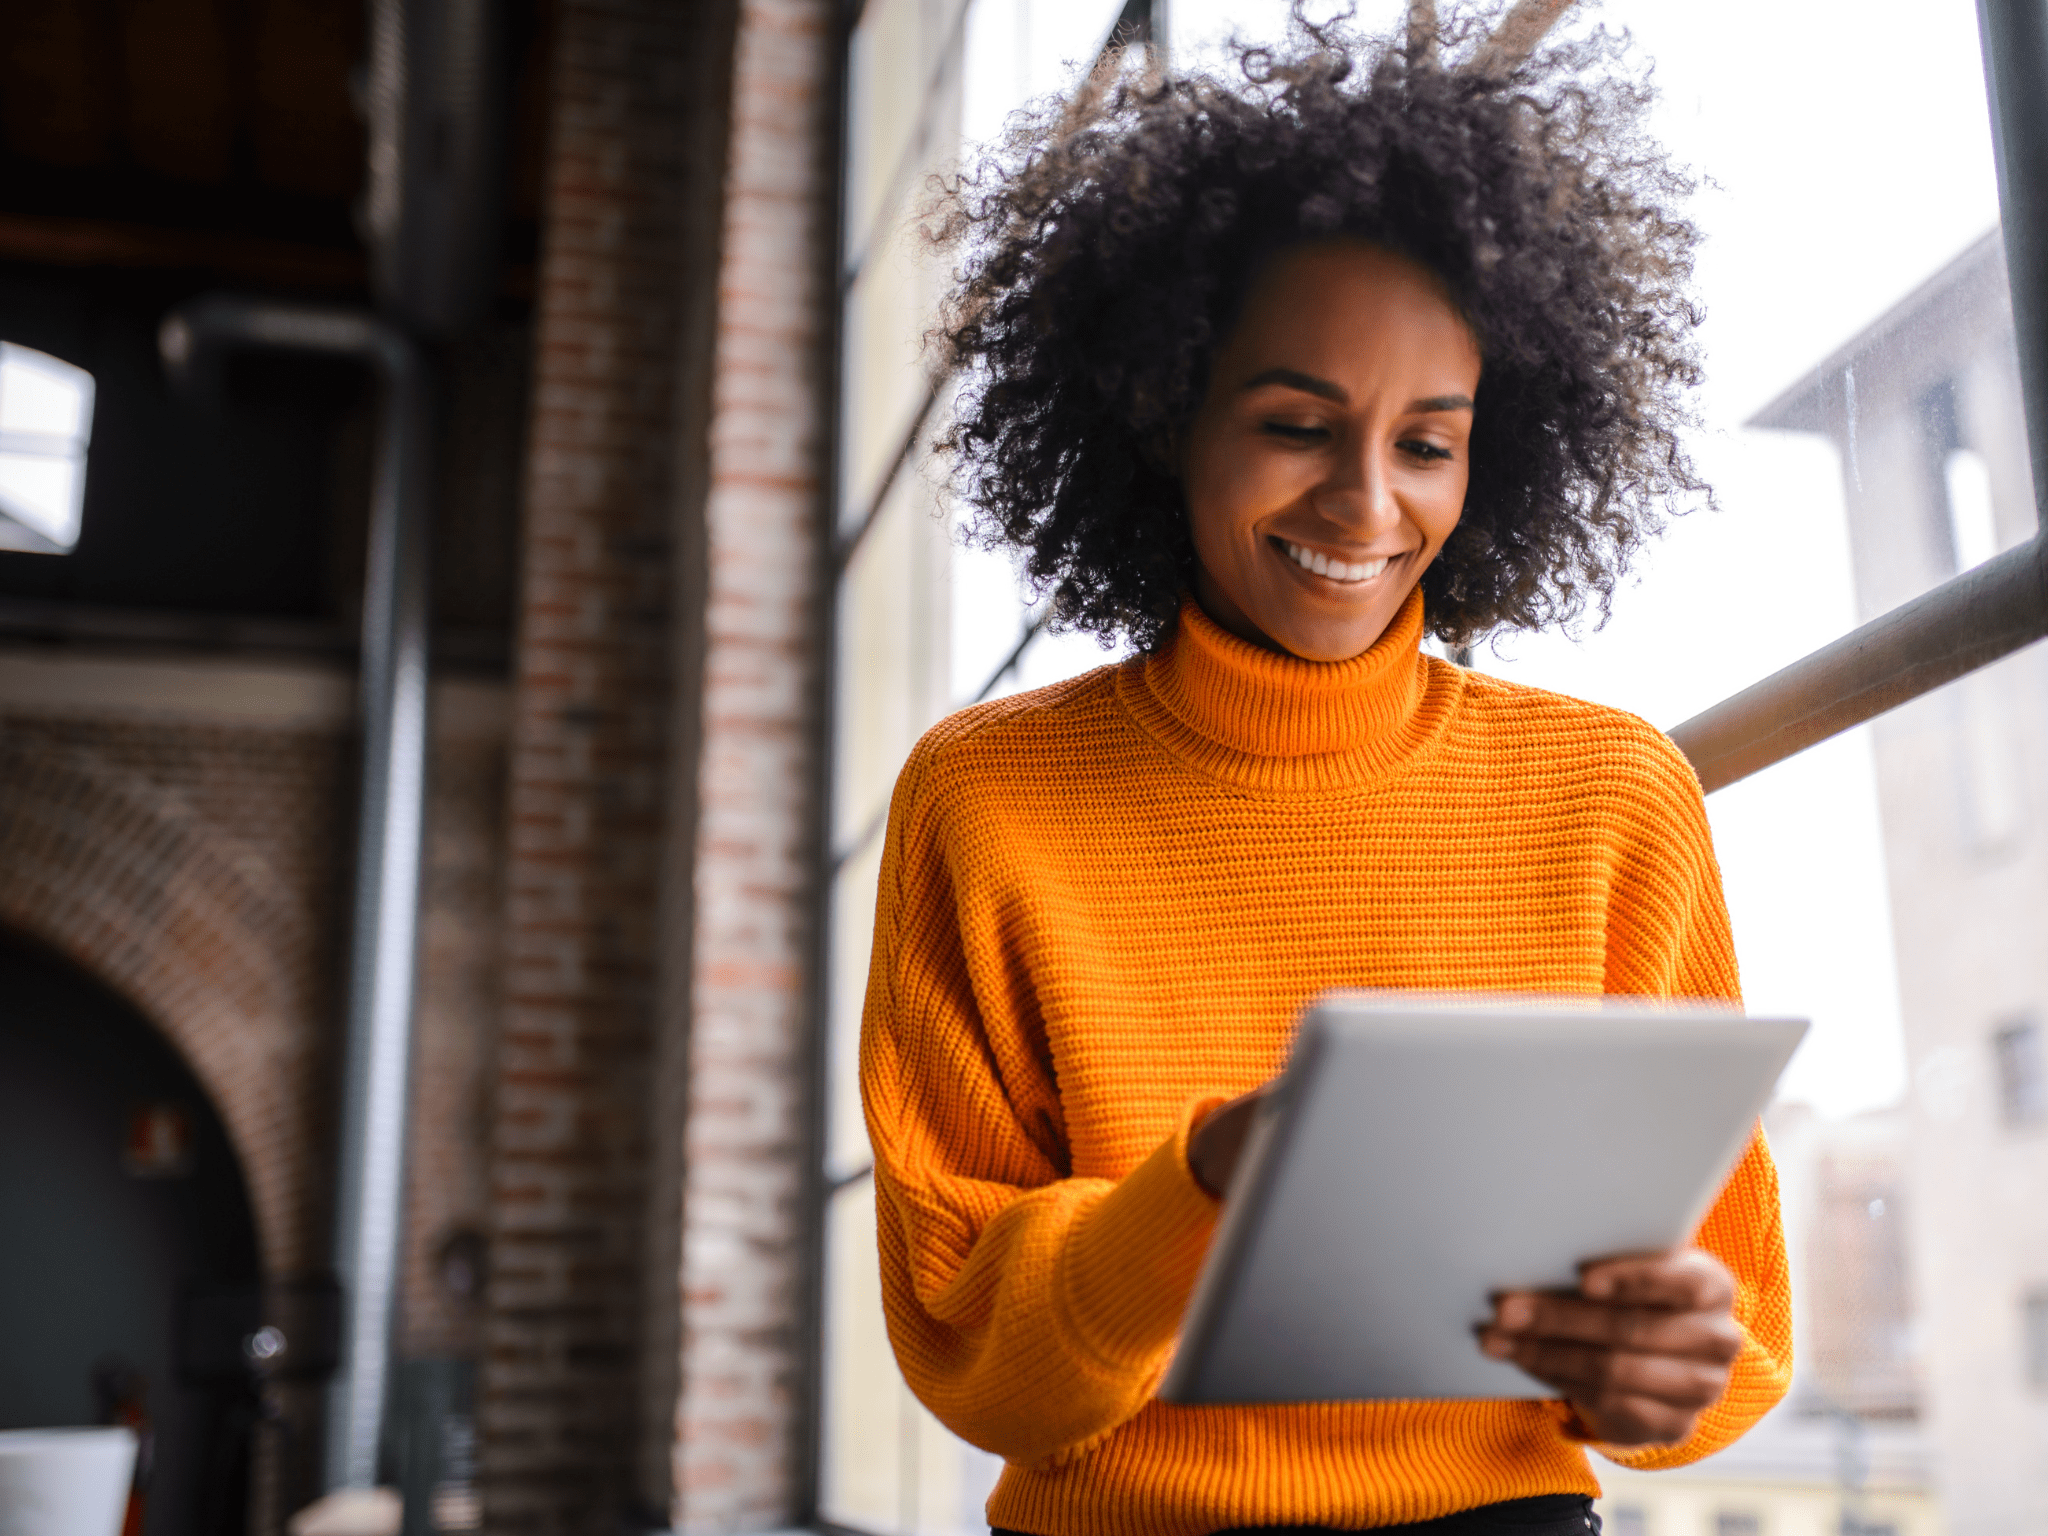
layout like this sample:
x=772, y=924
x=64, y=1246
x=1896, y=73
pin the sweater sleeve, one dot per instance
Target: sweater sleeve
x=1668, y=936
x=1031, y=1311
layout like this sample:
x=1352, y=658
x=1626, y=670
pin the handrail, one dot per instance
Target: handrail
x=1961, y=625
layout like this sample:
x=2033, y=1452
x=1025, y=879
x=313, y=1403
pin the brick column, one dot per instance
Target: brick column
x=588, y=777
x=756, y=855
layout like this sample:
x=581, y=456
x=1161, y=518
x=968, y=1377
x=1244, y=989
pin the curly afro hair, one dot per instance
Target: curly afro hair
x=1106, y=244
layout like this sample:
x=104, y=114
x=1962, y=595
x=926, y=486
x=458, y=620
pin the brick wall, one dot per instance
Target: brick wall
x=646, y=1309
x=185, y=866
x=196, y=859
x=738, y=1453
x=589, y=776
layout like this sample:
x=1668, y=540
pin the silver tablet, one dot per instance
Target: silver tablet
x=1418, y=1156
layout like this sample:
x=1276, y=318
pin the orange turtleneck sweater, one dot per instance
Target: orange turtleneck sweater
x=1102, y=907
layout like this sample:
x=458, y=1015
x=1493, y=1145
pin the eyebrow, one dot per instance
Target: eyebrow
x=1309, y=384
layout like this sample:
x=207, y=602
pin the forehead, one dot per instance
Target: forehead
x=1352, y=307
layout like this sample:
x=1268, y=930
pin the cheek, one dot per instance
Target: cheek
x=1448, y=507
x=1224, y=493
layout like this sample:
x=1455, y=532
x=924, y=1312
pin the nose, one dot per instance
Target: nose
x=1358, y=496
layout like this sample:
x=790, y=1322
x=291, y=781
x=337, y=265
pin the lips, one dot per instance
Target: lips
x=1343, y=572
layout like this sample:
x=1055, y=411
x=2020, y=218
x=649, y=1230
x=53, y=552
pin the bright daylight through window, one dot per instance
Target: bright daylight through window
x=1862, y=425
x=45, y=425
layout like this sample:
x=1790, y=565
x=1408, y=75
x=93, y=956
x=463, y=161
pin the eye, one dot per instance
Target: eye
x=1429, y=452
x=1295, y=432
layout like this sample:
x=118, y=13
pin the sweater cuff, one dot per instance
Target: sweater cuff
x=1129, y=1265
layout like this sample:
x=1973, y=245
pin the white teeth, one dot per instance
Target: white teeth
x=1336, y=570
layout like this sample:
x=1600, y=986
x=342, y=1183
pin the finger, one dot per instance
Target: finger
x=1576, y=1369
x=1685, y=1280
x=1698, y=1335
x=1618, y=1419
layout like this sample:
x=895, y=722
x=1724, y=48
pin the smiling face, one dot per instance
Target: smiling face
x=1327, y=464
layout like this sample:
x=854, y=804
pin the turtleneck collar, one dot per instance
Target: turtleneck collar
x=1274, y=722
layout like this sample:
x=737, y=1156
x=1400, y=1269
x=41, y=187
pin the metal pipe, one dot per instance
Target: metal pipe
x=384, y=947
x=2015, y=38
x=1960, y=626
x=1982, y=614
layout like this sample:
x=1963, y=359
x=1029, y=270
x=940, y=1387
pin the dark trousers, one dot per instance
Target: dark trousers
x=1551, y=1514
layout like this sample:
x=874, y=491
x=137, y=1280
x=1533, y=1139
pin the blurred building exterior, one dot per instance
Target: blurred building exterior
x=1919, y=1234
x=1924, y=408
x=1848, y=1451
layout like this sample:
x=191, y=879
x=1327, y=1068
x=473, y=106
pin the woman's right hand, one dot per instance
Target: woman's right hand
x=1215, y=1143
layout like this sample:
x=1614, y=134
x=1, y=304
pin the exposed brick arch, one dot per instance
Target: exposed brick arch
x=188, y=924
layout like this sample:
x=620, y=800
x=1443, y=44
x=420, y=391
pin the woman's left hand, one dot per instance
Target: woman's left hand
x=1640, y=1350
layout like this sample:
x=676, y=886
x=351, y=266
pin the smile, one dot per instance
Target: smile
x=1341, y=571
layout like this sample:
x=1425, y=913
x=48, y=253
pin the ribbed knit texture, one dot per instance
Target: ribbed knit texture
x=1102, y=908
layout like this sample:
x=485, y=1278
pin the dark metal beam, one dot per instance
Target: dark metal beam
x=2015, y=38
x=1031, y=633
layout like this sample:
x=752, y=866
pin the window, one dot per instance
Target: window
x=45, y=425
x=926, y=625
x=2022, y=1074
x=1866, y=430
x=1972, y=519
x=2034, y=1319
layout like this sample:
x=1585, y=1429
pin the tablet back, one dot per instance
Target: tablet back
x=1416, y=1158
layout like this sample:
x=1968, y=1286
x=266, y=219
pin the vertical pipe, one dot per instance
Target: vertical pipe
x=2015, y=38
x=384, y=945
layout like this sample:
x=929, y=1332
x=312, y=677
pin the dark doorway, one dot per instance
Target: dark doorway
x=119, y=1192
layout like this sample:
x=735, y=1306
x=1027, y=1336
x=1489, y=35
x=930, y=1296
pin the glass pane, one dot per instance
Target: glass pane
x=45, y=427
x=1198, y=30
x=1050, y=658
x=888, y=1464
x=901, y=114
x=923, y=622
x=853, y=927
x=1020, y=50
x=862, y=1476
x=991, y=612
x=886, y=374
x=893, y=675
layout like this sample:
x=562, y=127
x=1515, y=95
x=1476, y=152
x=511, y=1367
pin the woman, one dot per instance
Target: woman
x=1273, y=378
